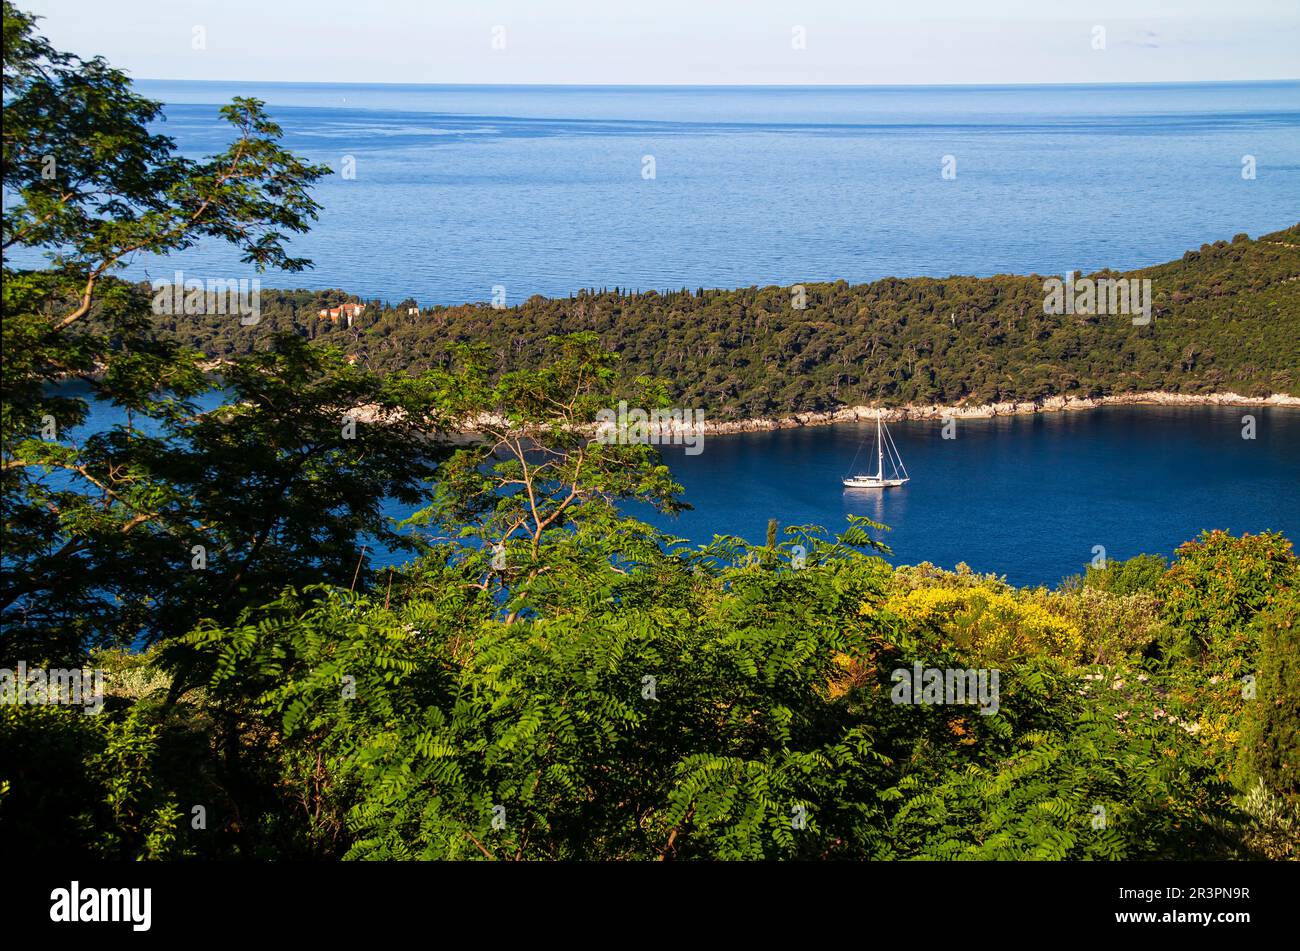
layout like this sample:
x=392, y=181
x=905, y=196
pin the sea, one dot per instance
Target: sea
x=1033, y=498
x=444, y=193
x=448, y=194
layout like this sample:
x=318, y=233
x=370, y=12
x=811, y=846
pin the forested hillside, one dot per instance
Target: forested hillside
x=1225, y=317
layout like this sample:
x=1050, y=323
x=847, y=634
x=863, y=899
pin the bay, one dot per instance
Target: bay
x=1029, y=497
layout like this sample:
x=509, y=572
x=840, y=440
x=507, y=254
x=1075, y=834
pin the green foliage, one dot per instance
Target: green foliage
x=1113, y=626
x=534, y=481
x=1218, y=583
x=106, y=784
x=610, y=731
x=90, y=531
x=274, y=487
x=716, y=703
x=1114, y=777
x=92, y=183
x=770, y=701
x=1271, y=744
x=1139, y=573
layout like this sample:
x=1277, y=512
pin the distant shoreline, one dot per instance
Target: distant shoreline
x=1051, y=404
x=850, y=414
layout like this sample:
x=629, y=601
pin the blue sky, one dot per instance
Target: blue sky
x=684, y=41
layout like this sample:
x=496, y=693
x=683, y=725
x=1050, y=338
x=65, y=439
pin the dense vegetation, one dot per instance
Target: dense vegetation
x=545, y=678
x=1224, y=318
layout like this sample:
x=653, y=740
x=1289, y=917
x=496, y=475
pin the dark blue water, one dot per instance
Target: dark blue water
x=1026, y=496
x=540, y=189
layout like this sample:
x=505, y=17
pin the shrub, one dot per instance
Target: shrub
x=1113, y=626
x=1216, y=586
x=1139, y=573
x=988, y=625
x=1112, y=775
x=1271, y=737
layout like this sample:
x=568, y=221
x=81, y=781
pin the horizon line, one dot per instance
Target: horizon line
x=539, y=85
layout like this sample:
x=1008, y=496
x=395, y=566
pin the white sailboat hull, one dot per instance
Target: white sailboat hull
x=871, y=482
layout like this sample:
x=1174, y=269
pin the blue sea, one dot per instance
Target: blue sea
x=544, y=190
x=1028, y=497
x=1034, y=498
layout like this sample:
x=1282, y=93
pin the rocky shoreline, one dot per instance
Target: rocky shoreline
x=1051, y=404
x=849, y=414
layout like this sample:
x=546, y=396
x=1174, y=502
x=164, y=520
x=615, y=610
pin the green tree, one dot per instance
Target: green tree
x=1271, y=739
x=89, y=183
x=529, y=506
x=1218, y=583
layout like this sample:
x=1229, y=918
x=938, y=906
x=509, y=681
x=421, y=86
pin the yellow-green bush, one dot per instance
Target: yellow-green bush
x=988, y=624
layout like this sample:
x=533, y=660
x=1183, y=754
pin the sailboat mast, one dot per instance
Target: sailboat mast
x=880, y=451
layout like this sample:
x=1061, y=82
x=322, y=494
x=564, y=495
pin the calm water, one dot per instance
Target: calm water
x=540, y=189
x=1023, y=496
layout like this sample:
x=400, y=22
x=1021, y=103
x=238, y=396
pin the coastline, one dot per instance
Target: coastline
x=851, y=414
x=1050, y=404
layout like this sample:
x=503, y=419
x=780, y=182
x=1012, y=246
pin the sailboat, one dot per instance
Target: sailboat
x=884, y=447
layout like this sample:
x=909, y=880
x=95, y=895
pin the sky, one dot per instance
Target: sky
x=684, y=41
